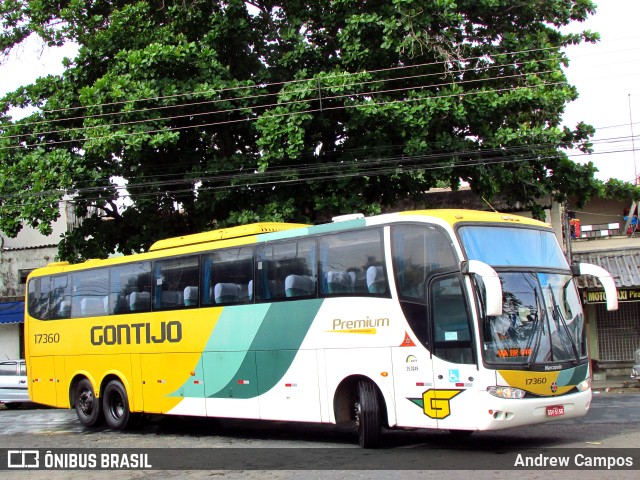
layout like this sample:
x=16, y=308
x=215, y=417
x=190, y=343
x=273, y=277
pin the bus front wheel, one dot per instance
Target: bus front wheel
x=368, y=415
x=87, y=405
x=115, y=404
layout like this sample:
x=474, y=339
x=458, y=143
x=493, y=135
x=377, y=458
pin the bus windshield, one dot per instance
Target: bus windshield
x=512, y=246
x=542, y=320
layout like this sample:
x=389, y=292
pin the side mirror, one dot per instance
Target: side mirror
x=492, y=285
x=605, y=278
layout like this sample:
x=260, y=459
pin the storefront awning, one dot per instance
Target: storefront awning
x=11, y=312
x=624, y=267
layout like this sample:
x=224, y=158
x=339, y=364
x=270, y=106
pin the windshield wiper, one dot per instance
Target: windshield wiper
x=558, y=317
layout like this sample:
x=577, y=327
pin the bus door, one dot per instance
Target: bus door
x=413, y=372
x=453, y=399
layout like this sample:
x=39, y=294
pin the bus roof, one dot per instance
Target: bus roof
x=455, y=216
x=269, y=231
x=223, y=234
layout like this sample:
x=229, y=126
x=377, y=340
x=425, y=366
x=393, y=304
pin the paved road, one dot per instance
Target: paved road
x=613, y=422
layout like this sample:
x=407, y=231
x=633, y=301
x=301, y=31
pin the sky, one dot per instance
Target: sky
x=606, y=74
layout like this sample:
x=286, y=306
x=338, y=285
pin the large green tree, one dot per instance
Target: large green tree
x=214, y=113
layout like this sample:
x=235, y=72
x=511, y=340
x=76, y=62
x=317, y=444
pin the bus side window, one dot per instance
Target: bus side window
x=130, y=288
x=286, y=270
x=39, y=289
x=352, y=263
x=90, y=293
x=418, y=252
x=227, y=276
x=60, y=306
x=171, y=278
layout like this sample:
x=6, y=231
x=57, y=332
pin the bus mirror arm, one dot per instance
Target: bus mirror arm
x=492, y=285
x=605, y=278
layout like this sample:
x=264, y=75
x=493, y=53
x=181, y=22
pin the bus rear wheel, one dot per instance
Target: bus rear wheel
x=368, y=415
x=115, y=404
x=88, y=407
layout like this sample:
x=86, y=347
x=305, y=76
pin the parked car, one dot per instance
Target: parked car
x=635, y=370
x=13, y=383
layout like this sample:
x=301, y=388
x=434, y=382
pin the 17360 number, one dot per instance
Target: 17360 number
x=536, y=381
x=41, y=338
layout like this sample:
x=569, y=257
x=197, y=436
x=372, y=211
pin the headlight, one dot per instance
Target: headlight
x=584, y=385
x=506, y=392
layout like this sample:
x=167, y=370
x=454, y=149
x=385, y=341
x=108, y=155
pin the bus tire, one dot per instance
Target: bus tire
x=88, y=407
x=368, y=415
x=115, y=405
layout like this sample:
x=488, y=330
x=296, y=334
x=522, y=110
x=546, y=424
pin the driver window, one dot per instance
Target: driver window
x=451, y=328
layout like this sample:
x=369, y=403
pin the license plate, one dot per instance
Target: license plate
x=555, y=411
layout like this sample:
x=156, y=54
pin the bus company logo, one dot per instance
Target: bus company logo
x=366, y=326
x=554, y=387
x=436, y=403
x=136, y=333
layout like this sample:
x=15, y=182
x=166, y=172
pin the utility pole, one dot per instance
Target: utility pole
x=632, y=210
x=633, y=144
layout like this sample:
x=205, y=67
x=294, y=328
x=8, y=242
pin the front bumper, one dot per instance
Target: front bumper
x=499, y=413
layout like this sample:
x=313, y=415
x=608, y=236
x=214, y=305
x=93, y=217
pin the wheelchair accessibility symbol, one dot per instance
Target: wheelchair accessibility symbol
x=454, y=376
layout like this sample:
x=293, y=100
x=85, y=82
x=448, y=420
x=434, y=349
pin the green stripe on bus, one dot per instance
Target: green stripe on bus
x=572, y=376
x=228, y=365
x=338, y=226
x=226, y=348
x=275, y=350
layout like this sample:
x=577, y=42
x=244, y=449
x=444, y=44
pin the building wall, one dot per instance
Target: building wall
x=30, y=237
x=13, y=261
x=598, y=211
x=28, y=250
x=10, y=341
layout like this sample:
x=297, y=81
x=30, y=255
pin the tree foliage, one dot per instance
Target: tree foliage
x=215, y=113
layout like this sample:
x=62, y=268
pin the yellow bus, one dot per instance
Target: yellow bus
x=443, y=319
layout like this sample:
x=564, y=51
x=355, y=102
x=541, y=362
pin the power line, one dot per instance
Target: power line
x=314, y=172
x=206, y=175
x=350, y=96
x=273, y=116
x=266, y=95
x=312, y=79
